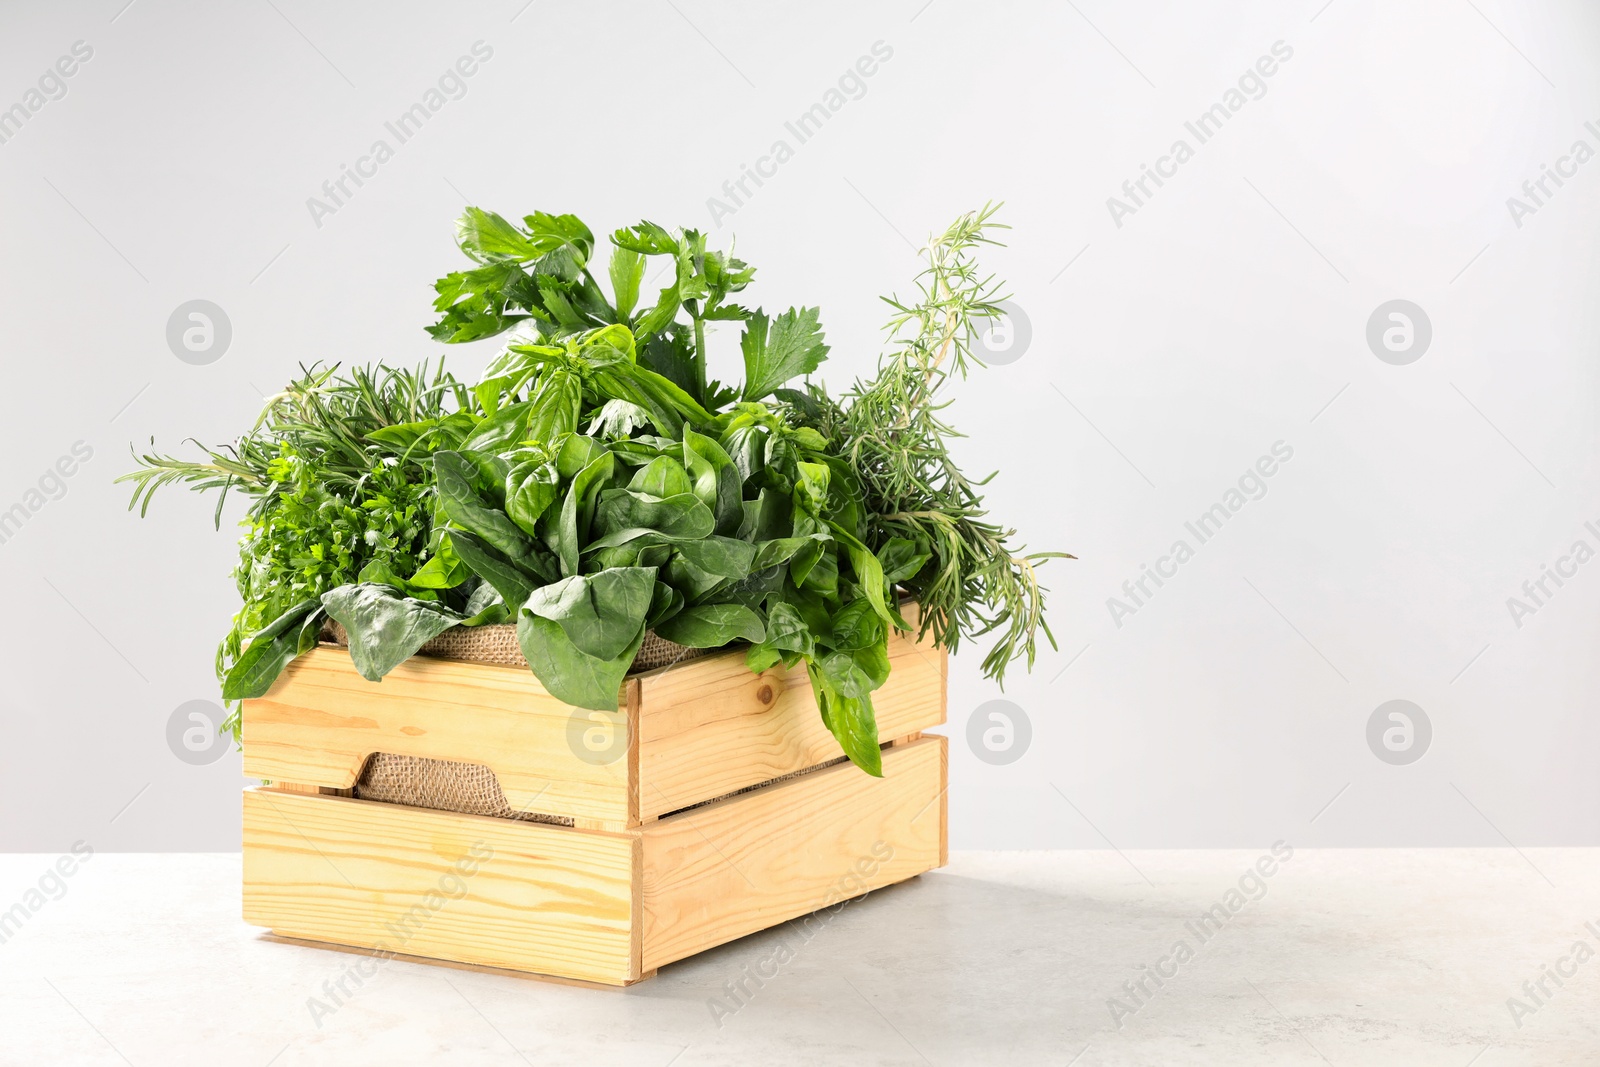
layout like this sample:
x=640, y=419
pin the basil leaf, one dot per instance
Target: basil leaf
x=850, y=720
x=856, y=626
x=623, y=514
x=444, y=570
x=662, y=477
x=501, y=431
x=901, y=559
x=722, y=556
x=557, y=404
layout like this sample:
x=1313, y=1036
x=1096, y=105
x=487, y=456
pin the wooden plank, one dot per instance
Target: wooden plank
x=498, y=972
x=746, y=863
x=710, y=727
x=321, y=721
x=467, y=888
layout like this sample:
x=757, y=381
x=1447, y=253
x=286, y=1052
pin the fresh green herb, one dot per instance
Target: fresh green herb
x=596, y=485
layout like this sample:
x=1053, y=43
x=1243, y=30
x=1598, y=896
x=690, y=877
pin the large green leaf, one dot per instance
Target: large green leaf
x=577, y=510
x=531, y=487
x=385, y=629
x=465, y=506
x=662, y=477
x=501, y=431
x=569, y=673
x=602, y=613
x=713, y=625
x=623, y=514
x=444, y=570
x=850, y=720
x=510, y=581
x=289, y=635
x=725, y=557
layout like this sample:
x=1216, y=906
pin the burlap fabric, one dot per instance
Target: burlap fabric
x=497, y=646
x=471, y=788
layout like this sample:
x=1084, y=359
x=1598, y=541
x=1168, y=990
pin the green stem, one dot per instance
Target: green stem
x=700, y=357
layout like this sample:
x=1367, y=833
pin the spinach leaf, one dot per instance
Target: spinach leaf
x=289, y=635
x=569, y=673
x=531, y=487
x=385, y=629
x=510, y=581
x=485, y=607
x=466, y=507
x=578, y=510
x=713, y=625
x=601, y=614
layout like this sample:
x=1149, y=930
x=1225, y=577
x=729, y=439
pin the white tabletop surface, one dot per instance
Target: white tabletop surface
x=1338, y=958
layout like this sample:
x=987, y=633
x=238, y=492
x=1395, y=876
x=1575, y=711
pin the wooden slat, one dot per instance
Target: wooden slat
x=746, y=863
x=538, y=898
x=709, y=727
x=321, y=721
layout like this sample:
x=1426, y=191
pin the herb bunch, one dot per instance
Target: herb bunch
x=596, y=485
x=893, y=431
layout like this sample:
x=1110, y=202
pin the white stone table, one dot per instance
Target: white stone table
x=1346, y=958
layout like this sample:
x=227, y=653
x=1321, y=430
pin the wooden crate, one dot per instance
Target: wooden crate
x=681, y=840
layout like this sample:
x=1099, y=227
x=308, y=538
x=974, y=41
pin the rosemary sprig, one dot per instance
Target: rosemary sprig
x=976, y=581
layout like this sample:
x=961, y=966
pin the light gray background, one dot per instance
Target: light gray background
x=1167, y=354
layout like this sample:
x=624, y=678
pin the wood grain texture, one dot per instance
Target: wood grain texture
x=710, y=727
x=321, y=721
x=746, y=863
x=466, y=888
